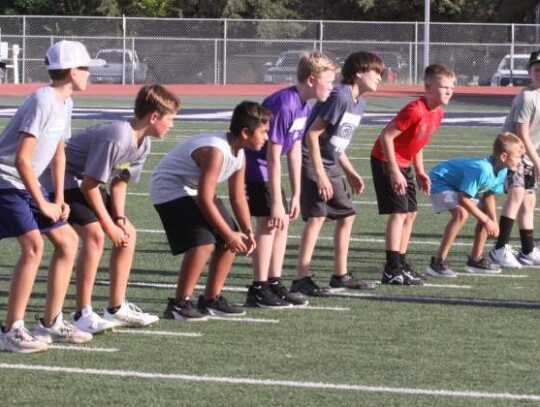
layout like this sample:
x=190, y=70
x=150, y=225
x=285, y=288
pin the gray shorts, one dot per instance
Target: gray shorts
x=523, y=177
x=446, y=201
x=313, y=206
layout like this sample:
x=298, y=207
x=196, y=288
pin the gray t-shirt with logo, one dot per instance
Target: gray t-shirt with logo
x=103, y=152
x=45, y=117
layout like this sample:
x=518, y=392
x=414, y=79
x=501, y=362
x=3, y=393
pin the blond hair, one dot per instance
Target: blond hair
x=435, y=71
x=504, y=143
x=314, y=63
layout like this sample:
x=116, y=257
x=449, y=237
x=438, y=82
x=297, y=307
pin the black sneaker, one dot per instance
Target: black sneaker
x=440, y=268
x=261, y=296
x=482, y=265
x=308, y=287
x=183, y=310
x=218, y=307
x=411, y=276
x=350, y=281
x=392, y=276
x=280, y=291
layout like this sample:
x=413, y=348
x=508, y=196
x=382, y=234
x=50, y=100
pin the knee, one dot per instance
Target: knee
x=460, y=215
x=95, y=240
x=33, y=248
x=68, y=242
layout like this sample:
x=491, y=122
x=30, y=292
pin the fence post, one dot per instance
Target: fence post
x=225, y=28
x=24, y=50
x=512, y=43
x=321, y=35
x=123, y=49
x=416, y=52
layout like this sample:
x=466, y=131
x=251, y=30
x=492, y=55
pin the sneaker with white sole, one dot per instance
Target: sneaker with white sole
x=129, y=315
x=91, y=322
x=60, y=331
x=218, y=307
x=530, y=259
x=183, y=310
x=440, y=268
x=482, y=265
x=18, y=340
x=505, y=257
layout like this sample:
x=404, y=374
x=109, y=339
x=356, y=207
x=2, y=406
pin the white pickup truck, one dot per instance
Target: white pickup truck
x=135, y=70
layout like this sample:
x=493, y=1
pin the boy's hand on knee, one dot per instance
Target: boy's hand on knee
x=492, y=227
x=51, y=210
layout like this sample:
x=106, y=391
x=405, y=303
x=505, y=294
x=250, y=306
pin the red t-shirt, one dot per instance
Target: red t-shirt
x=417, y=125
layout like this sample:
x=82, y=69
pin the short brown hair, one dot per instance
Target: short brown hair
x=314, y=63
x=435, y=71
x=56, y=74
x=155, y=98
x=248, y=115
x=360, y=62
x=504, y=142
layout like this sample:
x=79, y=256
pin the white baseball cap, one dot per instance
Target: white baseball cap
x=70, y=54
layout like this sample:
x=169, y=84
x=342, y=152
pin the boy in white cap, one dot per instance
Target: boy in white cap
x=34, y=139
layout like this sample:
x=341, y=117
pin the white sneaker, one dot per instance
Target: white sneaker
x=18, y=340
x=91, y=322
x=505, y=257
x=60, y=331
x=531, y=259
x=130, y=315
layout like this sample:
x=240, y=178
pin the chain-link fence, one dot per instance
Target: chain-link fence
x=263, y=51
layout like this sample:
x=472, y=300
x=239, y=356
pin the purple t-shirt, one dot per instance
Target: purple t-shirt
x=287, y=127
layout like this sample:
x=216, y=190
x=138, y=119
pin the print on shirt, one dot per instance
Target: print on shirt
x=297, y=127
x=348, y=124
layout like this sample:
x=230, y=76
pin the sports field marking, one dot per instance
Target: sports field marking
x=157, y=333
x=244, y=319
x=273, y=383
x=319, y=308
x=82, y=348
x=492, y=275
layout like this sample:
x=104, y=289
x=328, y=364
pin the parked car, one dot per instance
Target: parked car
x=135, y=69
x=284, y=69
x=512, y=75
x=397, y=69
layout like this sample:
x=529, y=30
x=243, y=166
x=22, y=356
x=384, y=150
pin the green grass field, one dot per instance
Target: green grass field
x=470, y=341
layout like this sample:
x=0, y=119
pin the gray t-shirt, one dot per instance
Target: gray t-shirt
x=525, y=110
x=343, y=116
x=45, y=117
x=103, y=152
x=177, y=174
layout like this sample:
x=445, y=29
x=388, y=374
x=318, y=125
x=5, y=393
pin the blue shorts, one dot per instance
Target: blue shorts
x=19, y=214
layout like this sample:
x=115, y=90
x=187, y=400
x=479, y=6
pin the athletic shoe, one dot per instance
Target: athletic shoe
x=350, y=281
x=60, y=331
x=130, y=315
x=261, y=296
x=18, y=340
x=218, y=307
x=91, y=322
x=410, y=275
x=296, y=299
x=505, y=257
x=308, y=287
x=392, y=276
x=183, y=310
x=440, y=268
x=531, y=259
x=481, y=265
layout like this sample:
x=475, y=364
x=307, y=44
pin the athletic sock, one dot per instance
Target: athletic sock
x=403, y=258
x=527, y=240
x=77, y=315
x=505, y=229
x=113, y=310
x=392, y=259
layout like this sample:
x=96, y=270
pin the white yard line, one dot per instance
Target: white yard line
x=275, y=383
x=245, y=319
x=82, y=348
x=157, y=333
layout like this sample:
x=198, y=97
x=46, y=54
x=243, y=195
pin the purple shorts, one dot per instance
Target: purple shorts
x=19, y=214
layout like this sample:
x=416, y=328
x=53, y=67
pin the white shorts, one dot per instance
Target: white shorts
x=447, y=200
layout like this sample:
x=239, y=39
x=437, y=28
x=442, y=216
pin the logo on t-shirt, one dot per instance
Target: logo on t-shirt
x=297, y=127
x=122, y=166
x=347, y=126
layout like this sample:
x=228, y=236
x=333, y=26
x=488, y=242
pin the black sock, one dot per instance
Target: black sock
x=274, y=280
x=527, y=240
x=392, y=259
x=403, y=258
x=77, y=315
x=113, y=310
x=505, y=230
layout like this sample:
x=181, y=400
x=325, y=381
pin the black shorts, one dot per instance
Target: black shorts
x=388, y=201
x=259, y=199
x=313, y=206
x=185, y=225
x=81, y=213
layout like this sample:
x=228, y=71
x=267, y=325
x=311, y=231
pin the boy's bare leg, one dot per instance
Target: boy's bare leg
x=458, y=219
x=264, y=236
x=24, y=275
x=342, y=237
x=278, y=252
x=220, y=266
x=394, y=231
x=193, y=264
x=308, y=241
x=119, y=270
x=480, y=237
x=93, y=242
x=65, y=241
x=525, y=214
x=407, y=231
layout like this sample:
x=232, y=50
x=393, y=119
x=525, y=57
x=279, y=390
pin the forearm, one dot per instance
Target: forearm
x=274, y=177
x=294, y=163
x=118, y=197
x=28, y=177
x=312, y=142
x=467, y=203
x=346, y=165
x=58, y=169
